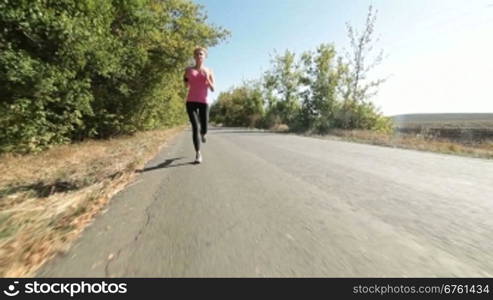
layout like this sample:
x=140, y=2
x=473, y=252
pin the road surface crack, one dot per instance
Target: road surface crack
x=136, y=237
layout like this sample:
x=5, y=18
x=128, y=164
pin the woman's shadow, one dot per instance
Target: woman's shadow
x=166, y=164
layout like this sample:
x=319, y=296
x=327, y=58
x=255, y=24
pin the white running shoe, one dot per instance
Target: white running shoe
x=203, y=138
x=198, y=158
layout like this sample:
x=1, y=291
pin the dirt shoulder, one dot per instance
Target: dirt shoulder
x=48, y=198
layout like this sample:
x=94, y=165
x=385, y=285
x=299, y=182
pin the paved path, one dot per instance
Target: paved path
x=265, y=204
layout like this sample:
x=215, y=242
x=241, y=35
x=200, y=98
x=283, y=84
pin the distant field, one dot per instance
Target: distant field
x=464, y=127
x=445, y=120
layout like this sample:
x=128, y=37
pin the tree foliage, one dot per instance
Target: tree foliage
x=319, y=90
x=241, y=106
x=74, y=69
x=320, y=78
x=282, y=83
x=356, y=88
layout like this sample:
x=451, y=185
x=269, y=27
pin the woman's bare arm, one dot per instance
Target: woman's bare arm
x=210, y=80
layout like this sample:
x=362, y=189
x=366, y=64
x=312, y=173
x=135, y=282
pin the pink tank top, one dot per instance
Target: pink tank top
x=197, y=82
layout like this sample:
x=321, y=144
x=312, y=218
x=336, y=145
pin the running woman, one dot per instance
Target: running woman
x=198, y=79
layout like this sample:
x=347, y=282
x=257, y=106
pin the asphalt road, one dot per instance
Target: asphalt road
x=264, y=204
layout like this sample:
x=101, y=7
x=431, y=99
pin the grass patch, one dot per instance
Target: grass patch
x=483, y=149
x=48, y=198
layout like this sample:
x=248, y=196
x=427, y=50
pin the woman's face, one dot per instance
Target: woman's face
x=199, y=56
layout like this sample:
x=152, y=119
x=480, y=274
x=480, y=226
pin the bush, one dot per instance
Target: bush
x=242, y=106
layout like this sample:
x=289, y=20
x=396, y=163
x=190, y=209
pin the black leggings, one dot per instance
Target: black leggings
x=198, y=112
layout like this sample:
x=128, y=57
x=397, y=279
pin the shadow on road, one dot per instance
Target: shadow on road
x=166, y=164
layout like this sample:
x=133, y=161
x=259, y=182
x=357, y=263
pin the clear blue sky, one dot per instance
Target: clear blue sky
x=439, y=53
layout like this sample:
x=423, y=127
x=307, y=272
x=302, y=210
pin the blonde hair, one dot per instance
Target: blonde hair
x=197, y=49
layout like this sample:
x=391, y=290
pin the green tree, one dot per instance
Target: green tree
x=321, y=76
x=75, y=69
x=282, y=82
x=356, y=88
x=241, y=106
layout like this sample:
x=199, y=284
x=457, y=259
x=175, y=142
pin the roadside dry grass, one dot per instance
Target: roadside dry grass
x=482, y=149
x=47, y=199
x=416, y=142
